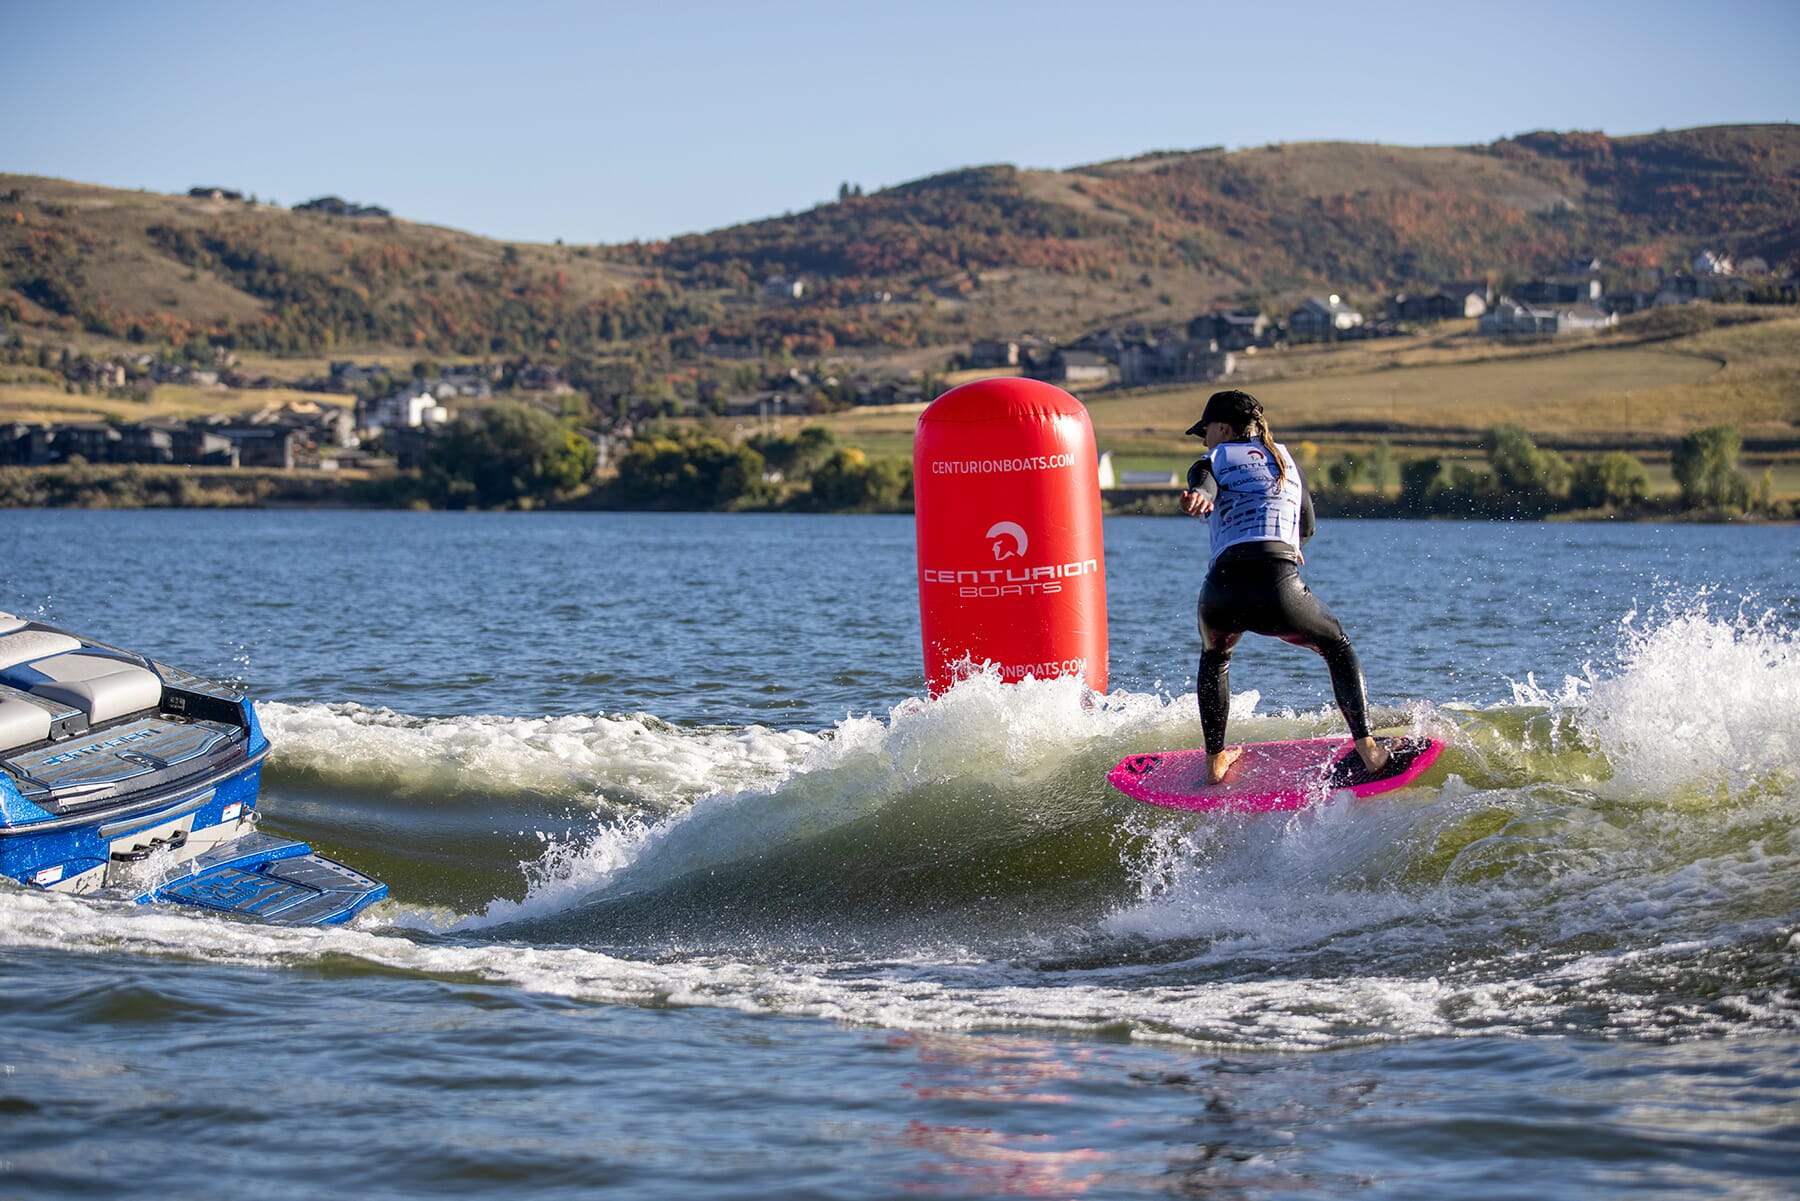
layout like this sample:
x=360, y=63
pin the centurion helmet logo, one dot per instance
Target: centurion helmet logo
x=999, y=535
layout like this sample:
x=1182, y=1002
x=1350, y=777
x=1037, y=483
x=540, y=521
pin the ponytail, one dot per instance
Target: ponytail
x=1268, y=441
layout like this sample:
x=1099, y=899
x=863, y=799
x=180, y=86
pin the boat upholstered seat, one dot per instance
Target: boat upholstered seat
x=98, y=684
x=25, y=645
x=9, y=623
x=21, y=722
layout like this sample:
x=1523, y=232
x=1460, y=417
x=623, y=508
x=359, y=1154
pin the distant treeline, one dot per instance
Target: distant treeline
x=1517, y=479
x=512, y=456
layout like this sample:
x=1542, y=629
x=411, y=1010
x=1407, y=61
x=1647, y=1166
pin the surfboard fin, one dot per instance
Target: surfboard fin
x=1349, y=772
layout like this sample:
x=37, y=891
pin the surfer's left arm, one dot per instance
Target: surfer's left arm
x=1308, y=522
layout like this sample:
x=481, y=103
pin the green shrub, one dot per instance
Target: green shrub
x=1613, y=480
x=1706, y=468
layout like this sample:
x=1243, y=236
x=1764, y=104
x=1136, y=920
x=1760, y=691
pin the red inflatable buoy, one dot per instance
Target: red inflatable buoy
x=1006, y=495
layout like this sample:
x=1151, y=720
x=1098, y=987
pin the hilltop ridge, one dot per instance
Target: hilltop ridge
x=969, y=253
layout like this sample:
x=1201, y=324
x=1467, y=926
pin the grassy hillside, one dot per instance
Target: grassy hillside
x=897, y=281
x=1658, y=377
x=976, y=252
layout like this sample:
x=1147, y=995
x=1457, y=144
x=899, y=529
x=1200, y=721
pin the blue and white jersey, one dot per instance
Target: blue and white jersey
x=1250, y=505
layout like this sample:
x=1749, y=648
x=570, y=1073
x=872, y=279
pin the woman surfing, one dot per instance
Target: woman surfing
x=1260, y=515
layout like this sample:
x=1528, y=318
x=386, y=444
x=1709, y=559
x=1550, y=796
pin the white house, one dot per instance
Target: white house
x=1322, y=318
x=1514, y=318
x=779, y=287
x=1708, y=262
x=410, y=409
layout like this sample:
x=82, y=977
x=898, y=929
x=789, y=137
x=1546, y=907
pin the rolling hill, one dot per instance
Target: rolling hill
x=977, y=252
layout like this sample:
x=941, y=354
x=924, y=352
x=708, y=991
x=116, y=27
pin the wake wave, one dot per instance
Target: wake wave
x=997, y=789
x=637, y=755
x=1622, y=843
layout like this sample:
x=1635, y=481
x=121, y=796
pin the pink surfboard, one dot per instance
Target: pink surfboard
x=1271, y=776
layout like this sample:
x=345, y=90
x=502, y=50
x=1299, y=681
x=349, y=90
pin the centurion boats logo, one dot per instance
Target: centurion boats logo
x=1014, y=573
x=1009, y=540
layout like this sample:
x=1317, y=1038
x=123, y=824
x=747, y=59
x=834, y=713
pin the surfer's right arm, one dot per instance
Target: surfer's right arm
x=1202, y=489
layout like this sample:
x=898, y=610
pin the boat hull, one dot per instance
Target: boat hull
x=124, y=776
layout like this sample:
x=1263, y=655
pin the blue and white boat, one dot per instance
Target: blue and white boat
x=124, y=776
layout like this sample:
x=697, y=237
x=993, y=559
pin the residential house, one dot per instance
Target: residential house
x=1405, y=306
x=1232, y=329
x=348, y=375
x=469, y=379
x=1166, y=360
x=25, y=444
x=201, y=446
x=92, y=440
x=889, y=392
x=993, y=352
x=1685, y=289
x=149, y=441
x=780, y=287
x=1462, y=299
x=1511, y=317
x=1581, y=318
x=1320, y=318
x=409, y=408
x=263, y=445
x=1629, y=300
x=1560, y=292
x=1468, y=297
x=1070, y=367
x=1105, y=343
x=542, y=377
x=1709, y=262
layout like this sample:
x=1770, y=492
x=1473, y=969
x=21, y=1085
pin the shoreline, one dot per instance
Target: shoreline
x=139, y=487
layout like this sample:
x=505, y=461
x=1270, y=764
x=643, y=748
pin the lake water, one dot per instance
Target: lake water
x=693, y=895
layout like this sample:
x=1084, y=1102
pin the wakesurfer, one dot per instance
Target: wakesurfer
x=1260, y=514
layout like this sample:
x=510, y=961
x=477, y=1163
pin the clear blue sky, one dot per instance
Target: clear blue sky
x=604, y=122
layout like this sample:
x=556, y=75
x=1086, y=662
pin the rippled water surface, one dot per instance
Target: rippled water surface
x=694, y=895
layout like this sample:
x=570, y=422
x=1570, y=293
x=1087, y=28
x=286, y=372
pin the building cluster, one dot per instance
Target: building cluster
x=1573, y=302
x=1136, y=356
x=298, y=434
x=1579, y=300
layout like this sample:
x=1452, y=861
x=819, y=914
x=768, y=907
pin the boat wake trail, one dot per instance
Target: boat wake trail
x=1616, y=851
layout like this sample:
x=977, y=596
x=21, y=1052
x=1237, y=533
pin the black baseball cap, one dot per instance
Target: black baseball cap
x=1233, y=406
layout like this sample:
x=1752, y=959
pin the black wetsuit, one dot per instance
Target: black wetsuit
x=1255, y=587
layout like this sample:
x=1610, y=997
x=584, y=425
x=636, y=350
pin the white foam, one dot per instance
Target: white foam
x=900, y=995
x=1700, y=701
x=1015, y=742
x=1493, y=904
x=573, y=754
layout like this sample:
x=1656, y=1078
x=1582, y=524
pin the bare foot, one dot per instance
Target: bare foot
x=1375, y=756
x=1219, y=766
